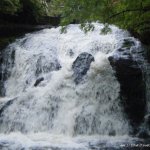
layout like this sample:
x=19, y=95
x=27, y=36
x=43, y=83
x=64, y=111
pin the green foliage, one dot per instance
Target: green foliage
x=106, y=29
x=128, y=14
x=134, y=15
x=9, y=6
x=87, y=27
x=81, y=10
x=34, y=8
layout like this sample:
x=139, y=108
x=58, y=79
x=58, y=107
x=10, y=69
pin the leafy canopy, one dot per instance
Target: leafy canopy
x=34, y=8
x=128, y=14
x=9, y=6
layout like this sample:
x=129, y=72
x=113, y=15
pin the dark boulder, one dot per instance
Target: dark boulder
x=81, y=65
x=38, y=81
x=132, y=86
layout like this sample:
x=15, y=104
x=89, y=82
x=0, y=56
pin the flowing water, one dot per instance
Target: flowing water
x=57, y=113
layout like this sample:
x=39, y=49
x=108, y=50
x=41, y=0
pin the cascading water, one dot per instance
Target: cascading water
x=44, y=106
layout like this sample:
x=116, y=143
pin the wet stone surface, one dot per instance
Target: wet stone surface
x=81, y=65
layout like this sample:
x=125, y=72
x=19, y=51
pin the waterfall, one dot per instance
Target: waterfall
x=41, y=95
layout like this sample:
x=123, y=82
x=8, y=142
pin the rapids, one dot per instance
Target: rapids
x=57, y=112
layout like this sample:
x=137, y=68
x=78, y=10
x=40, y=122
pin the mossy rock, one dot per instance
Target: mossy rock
x=127, y=43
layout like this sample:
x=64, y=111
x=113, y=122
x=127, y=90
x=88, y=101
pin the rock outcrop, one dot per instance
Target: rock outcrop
x=132, y=86
x=81, y=65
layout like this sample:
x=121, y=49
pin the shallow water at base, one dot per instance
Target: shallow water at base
x=43, y=141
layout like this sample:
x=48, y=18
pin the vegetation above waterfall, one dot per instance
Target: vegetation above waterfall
x=27, y=8
x=133, y=15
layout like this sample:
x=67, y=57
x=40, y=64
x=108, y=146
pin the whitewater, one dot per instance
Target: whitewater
x=57, y=112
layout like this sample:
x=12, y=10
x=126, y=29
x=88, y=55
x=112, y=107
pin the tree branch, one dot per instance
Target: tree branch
x=146, y=9
x=147, y=22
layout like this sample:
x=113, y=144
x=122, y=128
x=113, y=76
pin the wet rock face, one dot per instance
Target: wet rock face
x=45, y=66
x=7, y=104
x=81, y=65
x=132, y=87
x=7, y=59
x=1, y=83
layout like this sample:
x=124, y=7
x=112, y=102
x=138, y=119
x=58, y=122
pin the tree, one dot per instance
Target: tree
x=128, y=14
x=34, y=8
x=27, y=9
x=9, y=6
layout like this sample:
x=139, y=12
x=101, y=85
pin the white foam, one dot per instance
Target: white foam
x=59, y=106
